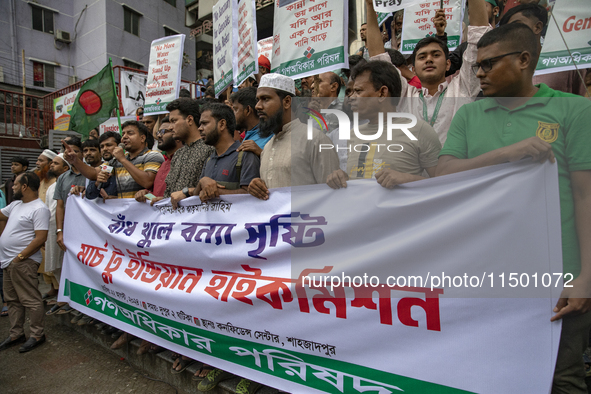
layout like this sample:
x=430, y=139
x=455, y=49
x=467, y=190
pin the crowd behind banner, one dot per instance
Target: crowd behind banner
x=475, y=106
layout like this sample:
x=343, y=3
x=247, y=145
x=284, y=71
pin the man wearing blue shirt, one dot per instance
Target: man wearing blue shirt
x=243, y=103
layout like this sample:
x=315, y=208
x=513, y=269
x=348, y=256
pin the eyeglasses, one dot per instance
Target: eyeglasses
x=487, y=64
x=164, y=131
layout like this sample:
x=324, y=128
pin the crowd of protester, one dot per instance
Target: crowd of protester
x=256, y=139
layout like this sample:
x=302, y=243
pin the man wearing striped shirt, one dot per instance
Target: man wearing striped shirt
x=134, y=168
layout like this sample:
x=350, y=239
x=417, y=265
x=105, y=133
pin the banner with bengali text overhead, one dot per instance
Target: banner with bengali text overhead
x=246, y=62
x=225, y=43
x=224, y=282
x=573, y=26
x=393, y=5
x=418, y=23
x=61, y=106
x=164, y=73
x=310, y=37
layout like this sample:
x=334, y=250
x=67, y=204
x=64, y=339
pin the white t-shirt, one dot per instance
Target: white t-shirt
x=23, y=221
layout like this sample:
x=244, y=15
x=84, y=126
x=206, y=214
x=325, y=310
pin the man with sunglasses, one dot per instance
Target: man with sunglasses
x=520, y=120
x=168, y=145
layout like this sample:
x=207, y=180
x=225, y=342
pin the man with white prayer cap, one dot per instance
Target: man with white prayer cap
x=48, y=178
x=289, y=158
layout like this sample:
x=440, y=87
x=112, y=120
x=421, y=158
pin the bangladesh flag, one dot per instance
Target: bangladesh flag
x=94, y=103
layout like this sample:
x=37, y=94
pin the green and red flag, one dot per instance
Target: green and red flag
x=95, y=102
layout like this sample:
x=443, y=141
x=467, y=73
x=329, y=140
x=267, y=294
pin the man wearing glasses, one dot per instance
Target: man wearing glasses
x=168, y=145
x=520, y=120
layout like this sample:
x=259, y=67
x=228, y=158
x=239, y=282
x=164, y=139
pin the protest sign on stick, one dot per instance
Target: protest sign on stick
x=225, y=39
x=309, y=37
x=265, y=47
x=570, y=22
x=164, y=73
x=418, y=23
x=393, y=5
x=246, y=63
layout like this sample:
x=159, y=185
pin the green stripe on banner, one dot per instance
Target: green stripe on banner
x=224, y=82
x=316, y=61
x=580, y=56
x=320, y=373
x=409, y=45
x=246, y=72
x=158, y=107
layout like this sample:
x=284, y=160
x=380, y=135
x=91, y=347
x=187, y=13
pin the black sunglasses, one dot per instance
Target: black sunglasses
x=164, y=131
x=487, y=64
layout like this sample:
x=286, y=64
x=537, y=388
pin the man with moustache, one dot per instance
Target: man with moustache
x=53, y=253
x=187, y=164
x=134, y=168
x=289, y=158
x=168, y=145
x=226, y=171
x=27, y=220
x=519, y=120
x=47, y=178
x=243, y=103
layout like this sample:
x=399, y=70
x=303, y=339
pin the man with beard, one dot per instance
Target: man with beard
x=18, y=166
x=91, y=152
x=289, y=158
x=168, y=145
x=226, y=171
x=47, y=178
x=26, y=231
x=243, y=103
x=187, y=164
x=53, y=254
x=107, y=142
x=133, y=169
x=64, y=184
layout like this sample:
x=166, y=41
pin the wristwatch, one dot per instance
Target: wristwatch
x=186, y=192
x=20, y=256
x=59, y=230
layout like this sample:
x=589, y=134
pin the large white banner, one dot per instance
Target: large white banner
x=225, y=39
x=133, y=91
x=246, y=63
x=310, y=37
x=418, y=23
x=237, y=283
x=573, y=18
x=164, y=73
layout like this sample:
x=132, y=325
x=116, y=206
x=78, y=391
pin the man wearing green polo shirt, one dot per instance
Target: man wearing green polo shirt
x=518, y=120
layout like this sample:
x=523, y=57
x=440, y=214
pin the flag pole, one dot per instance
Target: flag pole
x=115, y=90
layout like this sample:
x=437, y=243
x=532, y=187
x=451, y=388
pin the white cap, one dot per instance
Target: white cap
x=279, y=82
x=49, y=154
x=61, y=156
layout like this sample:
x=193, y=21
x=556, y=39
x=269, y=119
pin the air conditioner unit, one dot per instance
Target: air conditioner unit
x=63, y=36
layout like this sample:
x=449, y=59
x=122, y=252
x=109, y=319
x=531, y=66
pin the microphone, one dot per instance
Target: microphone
x=108, y=168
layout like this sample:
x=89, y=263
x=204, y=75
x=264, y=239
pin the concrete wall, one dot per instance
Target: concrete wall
x=99, y=35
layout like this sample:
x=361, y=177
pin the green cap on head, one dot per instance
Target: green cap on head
x=492, y=2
